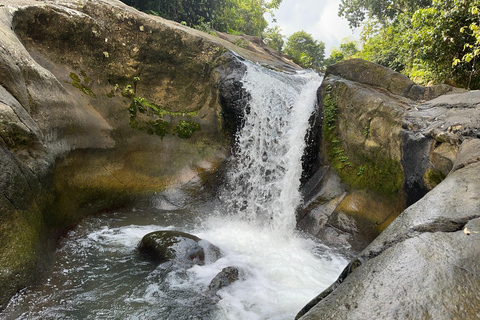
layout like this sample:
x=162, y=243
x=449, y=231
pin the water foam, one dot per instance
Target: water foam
x=263, y=185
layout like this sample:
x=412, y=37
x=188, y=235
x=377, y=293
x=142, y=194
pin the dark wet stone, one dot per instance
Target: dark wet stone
x=179, y=247
x=223, y=279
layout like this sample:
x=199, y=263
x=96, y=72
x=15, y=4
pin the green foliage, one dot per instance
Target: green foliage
x=430, y=41
x=128, y=92
x=188, y=11
x=185, y=129
x=384, y=11
x=245, y=16
x=438, y=41
x=232, y=16
x=335, y=56
x=305, y=51
x=472, y=47
x=273, y=38
x=348, y=49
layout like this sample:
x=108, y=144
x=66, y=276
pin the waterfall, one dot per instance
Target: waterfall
x=263, y=184
x=99, y=274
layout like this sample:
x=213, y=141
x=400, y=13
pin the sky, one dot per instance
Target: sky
x=317, y=17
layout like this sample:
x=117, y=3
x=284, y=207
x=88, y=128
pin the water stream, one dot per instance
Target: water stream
x=98, y=273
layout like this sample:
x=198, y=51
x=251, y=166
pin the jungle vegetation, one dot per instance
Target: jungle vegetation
x=430, y=41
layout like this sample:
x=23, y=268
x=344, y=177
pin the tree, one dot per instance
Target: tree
x=245, y=16
x=190, y=12
x=348, y=49
x=305, y=51
x=472, y=49
x=431, y=41
x=440, y=38
x=357, y=11
x=273, y=38
x=240, y=17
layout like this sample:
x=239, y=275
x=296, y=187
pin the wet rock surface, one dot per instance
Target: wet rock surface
x=425, y=264
x=179, y=248
x=223, y=279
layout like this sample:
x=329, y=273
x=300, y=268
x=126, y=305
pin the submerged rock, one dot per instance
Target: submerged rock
x=179, y=247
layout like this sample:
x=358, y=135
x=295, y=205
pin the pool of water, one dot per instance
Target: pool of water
x=98, y=273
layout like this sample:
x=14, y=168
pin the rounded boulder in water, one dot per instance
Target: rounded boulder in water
x=178, y=247
x=223, y=279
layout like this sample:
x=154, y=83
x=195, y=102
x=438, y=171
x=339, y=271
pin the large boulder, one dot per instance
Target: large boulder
x=424, y=264
x=179, y=248
x=385, y=147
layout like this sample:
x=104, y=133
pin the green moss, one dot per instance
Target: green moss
x=23, y=252
x=158, y=126
x=377, y=173
x=16, y=137
x=242, y=43
x=433, y=177
x=83, y=87
x=185, y=129
x=85, y=78
x=74, y=77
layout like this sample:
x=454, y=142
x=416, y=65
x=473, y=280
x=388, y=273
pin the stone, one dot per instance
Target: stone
x=383, y=143
x=180, y=248
x=223, y=279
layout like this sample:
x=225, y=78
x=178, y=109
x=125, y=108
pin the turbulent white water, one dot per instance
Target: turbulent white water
x=98, y=273
x=264, y=186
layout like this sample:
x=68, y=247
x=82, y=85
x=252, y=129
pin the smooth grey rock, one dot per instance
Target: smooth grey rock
x=423, y=265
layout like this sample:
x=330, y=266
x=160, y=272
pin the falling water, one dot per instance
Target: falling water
x=98, y=273
x=264, y=183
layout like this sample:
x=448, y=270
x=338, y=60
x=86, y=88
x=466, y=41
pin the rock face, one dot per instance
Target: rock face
x=386, y=147
x=100, y=105
x=425, y=264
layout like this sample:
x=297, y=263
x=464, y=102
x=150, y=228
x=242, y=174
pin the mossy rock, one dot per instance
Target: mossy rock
x=359, y=165
x=176, y=246
x=433, y=177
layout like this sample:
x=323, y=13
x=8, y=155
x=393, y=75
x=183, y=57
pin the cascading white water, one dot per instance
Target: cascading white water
x=99, y=275
x=264, y=183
